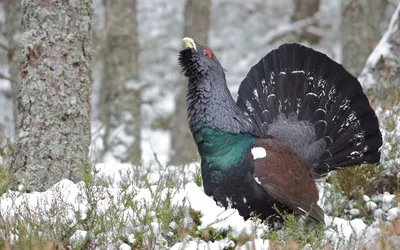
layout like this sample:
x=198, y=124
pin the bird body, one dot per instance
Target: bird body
x=299, y=115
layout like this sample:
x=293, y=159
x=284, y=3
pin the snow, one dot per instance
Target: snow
x=68, y=203
x=393, y=213
x=124, y=247
x=73, y=198
x=371, y=206
x=387, y=201
x=78, y=238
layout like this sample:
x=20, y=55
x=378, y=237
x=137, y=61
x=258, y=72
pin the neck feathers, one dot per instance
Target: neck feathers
x=210, y=103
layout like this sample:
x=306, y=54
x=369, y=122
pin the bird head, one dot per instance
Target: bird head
x=197, y=60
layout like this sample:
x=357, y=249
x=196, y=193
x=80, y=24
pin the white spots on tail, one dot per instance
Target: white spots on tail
x=351, y=120
x=257, y=180
x=358, y=138
x=258, y=153
x=272, y=76
x=280, y=106
x=323, y=121
x=299, y=102
x=263, y=83
x=322, y=84
x=345, y=105
x=270, y=95
x=342, y=108
x=358, y=154
x=249, y=106
x=332, y=95
x=311, y=94
x=255, y=94
x=323, y=110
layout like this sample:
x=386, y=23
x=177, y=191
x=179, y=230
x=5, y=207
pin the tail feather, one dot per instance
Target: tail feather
x=313, y=105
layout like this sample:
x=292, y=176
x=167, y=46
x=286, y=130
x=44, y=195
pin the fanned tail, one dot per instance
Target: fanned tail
x=313, y=105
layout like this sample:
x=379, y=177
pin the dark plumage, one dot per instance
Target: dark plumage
x=303, y=113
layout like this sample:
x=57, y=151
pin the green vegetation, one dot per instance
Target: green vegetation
x=145, y=206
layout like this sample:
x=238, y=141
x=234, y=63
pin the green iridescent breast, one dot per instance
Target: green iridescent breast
x=219, y=149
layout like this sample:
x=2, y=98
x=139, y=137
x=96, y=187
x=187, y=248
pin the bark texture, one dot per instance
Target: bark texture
x=305, y=9
x=120, y=91
x=196, y=26
x=361, y=21
x=53, y=136
x=381, y=73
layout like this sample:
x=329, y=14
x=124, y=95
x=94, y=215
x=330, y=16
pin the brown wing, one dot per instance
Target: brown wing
x=286, y=178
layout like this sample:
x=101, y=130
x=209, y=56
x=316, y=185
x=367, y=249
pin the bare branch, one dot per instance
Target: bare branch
x=2, y=76
x=285, y=29
x=3, y=46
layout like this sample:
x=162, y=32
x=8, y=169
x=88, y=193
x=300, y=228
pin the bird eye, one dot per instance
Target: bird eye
x=208, y=53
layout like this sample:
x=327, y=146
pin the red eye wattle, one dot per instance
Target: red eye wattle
x=208, y=53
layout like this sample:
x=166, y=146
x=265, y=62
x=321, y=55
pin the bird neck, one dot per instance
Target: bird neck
x=209, y=102
x=219, y=149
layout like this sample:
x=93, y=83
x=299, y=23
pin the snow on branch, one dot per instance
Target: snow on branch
x=296, y=27
x=382, y=66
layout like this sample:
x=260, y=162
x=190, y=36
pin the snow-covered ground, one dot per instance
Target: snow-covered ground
x=120, y=197
x=67, y=203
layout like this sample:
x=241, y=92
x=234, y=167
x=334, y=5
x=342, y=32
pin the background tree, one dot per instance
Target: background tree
x=11, y=28
x=361, y=22
x=53, y=136
x=305, y=9
x=14, y=31
x=382, y=72
x=120, y=90
x=196, y=25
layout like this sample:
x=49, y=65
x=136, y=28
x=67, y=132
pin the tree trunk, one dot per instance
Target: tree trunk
x=120, y=91
x=53, y=136
x=381, y=73
x=13, y=13
x=304, y=9
x=360, y=31
x=197, y=24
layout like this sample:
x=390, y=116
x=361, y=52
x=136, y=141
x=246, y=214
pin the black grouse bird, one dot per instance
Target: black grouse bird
x=298, y=116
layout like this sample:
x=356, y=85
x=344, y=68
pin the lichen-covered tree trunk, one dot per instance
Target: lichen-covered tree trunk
x=304, y=9
x=361, y=20
x=120, y=91
x=381, y=73
x=53, y=136
x=196, y=26
x=13, y=13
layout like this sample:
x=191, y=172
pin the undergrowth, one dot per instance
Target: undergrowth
x=143, y=214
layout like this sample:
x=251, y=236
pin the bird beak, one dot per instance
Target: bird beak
x=189, y=43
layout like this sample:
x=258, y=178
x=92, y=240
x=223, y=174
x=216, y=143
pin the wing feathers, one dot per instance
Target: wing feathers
x=287, y=179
